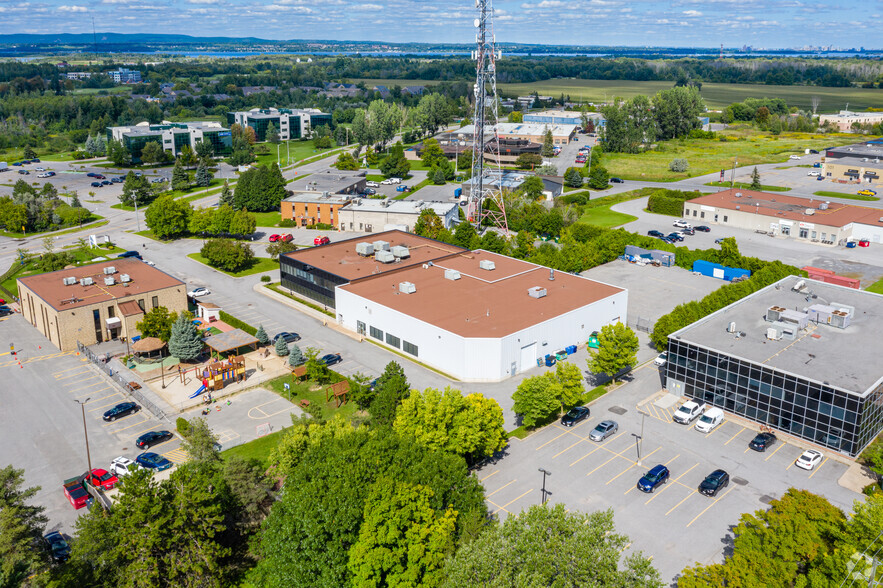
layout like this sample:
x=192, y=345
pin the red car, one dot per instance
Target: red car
x=102, y=479
x=287, y=238
x=274, y=238
x=76, y=493
x=321, y=241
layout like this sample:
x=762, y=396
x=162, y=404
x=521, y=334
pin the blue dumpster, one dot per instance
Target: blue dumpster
x=570, y=349
x=850, y=244
x=550, y=360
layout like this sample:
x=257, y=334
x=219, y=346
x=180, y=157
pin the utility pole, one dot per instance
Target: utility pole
x=85, y=432
x=733, y=174
x=545, y=473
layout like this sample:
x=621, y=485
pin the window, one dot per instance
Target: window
x=377, y=333
x=360, y=327
x=141, y=304
x=110, y=312
x=409, y=348
x=154, y=302
x=393, y=340
x=725, y=218
x=701, y=215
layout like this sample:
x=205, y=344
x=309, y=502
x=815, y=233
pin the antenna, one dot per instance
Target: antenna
x=486, y=113
x=94, y=37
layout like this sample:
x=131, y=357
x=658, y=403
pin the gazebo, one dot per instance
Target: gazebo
x=148, y=346
x=230, y=341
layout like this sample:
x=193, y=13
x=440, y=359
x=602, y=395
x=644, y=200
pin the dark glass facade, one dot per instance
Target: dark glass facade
x=798, y=406
x=309, y=281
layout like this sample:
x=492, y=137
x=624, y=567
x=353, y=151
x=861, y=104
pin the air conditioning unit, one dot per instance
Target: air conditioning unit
x=839, y=319
x=86, y=282
x=486, y=264
x=824, y=205
x=774, y=313
x=365, y=249
x=400, y=251
x=773, y=334
x=125, y=278
x=109, y=270
x=799, y=286
x=810, y=211
x=381, y=246
x=536, y=292
x=69, y=281
x=407, y=287
x=452, y=274
x=384, y=256
x=738, y=194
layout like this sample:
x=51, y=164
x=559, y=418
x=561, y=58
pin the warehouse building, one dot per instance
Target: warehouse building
x=97, y=302
x=172, y=136
x=844, y=120
x=531, y=132
x=370, y=215
x=564, y=117
x=507, y=180
x=478, y=316
x=800, y=356
x=290, y=123
x=854, y=164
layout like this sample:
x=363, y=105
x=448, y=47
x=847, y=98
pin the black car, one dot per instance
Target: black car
x=58, y=548
x=813, y=152
x=617, y=181
x=152, y=438
x=575, y=415
x=675, y=237
x=657, y=234
x=95, y=184
x=105, y=182
x=762, y=442
x=702, y=228
x=716, y=480
x=287, y=337
x=91, y=175
x=331, y=358
x=121, y=410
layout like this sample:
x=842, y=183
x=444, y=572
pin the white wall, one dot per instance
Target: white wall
x=869, y=232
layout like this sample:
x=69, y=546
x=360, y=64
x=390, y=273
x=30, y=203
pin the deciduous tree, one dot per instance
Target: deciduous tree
x=167, y=217
x=429, y=224
x=201, y=444
x=230, y=256
x=391, y=389
x=157, y=322
x=548, y=143
x=617, y=350
x=536, y=398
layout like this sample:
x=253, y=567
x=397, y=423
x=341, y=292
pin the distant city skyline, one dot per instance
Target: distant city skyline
x=768, y=24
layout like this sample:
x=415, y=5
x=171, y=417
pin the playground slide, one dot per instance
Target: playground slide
x=198, y=392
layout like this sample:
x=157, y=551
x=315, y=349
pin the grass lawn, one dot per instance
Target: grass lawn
x=297, y=150
x=831, y=194
x=305, y=391
x=267, y=219
x=876, y=287
x=88, y=225
x=604, y=217
x=260, y=264
x=423, y=184
x=102, y=91
x=258, y=449
x=744, y=186
x=375, y=177
x=747, y=145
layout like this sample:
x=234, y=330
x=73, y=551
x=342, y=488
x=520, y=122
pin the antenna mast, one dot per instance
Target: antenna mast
x=486, y=199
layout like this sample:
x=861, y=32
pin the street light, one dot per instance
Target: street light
x=545, y=473
x=639, y=439
x=85, y=432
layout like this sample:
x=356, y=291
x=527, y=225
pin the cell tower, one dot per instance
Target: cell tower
x=485, y=195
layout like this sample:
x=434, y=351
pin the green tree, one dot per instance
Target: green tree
x=118, y=154
x=317, y=371
x=391, y=389
x=152, y=153
x=203, y=175
x=185, y=342
x=445, y=419
x=599, y=179
x=226, y=195
x=529, y=160
x=180, y=177
x=548, y=144
x=204, y=150
x=157, y=322
x=516, y=116
x=21, y=529
x=281, y=347
x=260, y=189
x=617, y=350
x=345, y=161
x=677, y=111
x=167, y=217
x=573, y=178
x=201, y=444
x=432, y=153
x=432, y=113
x=529, y=550
x=279, y=247
x=272, y=134
x=755, y=180
x=295, y=356
x=242, y=223
x=361, y=129
x=261, y=336
x=229, y=256
x=536, y=398
x=402, y=540
x=429, y=224
x=395, y=165
x=135, y=189
x=532, y=187
x=438, y=176
x=465, y=236
x=187, y=157
x=572, y=383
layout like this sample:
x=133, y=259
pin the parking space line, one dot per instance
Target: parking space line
x=141, y=422
x=499, y=508
x=717, y=428
x=665, y=486
x=681, y=502
x=631, y=465
x=107, y=404
x=603, y=445
x=550, y=440
x=95, y=377
x=76, y=367
x=818, y=468
x=489, y=475
x=121, y=419
x=85, y=371
x=777, y=449
x=176, y=456
x=500, y=488
x=674, y=458
x=139, y=433
x=514, y=499
x=571, y=447
x=716, y=500
x=91, y=392
x=734, y=436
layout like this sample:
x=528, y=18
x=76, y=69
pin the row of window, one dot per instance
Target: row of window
x=390, y=339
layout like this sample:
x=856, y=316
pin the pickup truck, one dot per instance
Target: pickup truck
x=689, y=412
x=76, y=492
x=710, y=420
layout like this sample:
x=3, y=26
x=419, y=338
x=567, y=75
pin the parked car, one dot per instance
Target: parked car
x=17, y=163
x=661, y=359
x=657, y=476
x=105, y=182
x=101, y=479
x=794, y=157
x=667, y=240
x=369, y=192
x=157, y=180
x=814, y=172
x=58, y=548
x=117, y=180
x=45, y=175
x=286, y=238
x=675, y=236
x=153, y=461
x=702, y=228
x=197, y=292
x=714, y=482
x=330, y=359
x=274, y=237
x=287, y=337
x=24, y=172
x=617, y=181
x=391, y=181
x=91, y=175
x=655, y=233
x=40, y=169
x=95, y=184
x=813, y=152
x=35, y=160
x=762, y=442
x=99, y=177
x=603, y=430
x=820, y=179
x=321, y=241
x=681, y=224
x=867, y=192
x=152, y=438
x=120, y=466
x=689, y=412
x=120, y=410
x=809, y=459
x=709, y=421
x=575, y=415
x=719, y=241
x=372, y=184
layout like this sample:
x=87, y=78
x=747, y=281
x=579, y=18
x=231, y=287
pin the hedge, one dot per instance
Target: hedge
x=236, y=323
x=670, y=202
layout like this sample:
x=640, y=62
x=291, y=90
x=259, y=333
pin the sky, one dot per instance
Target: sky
x=675, y=23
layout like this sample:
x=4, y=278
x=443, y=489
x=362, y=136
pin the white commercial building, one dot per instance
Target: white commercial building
x=370, y=215
x=844, y=120
x=534, y=132
x=477, y=316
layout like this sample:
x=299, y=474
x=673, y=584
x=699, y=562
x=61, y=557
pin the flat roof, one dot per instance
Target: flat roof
x=143, y=279
x=780, y=206
x=848, y=358
x=318, y=198
x=482, y=303
x=328, y=180
x=399, y=206
x=858, y=150
x=528, y=128
x=341, y=259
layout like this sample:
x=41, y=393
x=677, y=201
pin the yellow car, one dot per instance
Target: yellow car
x=866, y=193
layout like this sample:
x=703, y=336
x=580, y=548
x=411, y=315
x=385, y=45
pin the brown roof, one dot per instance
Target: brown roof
x=207, y=305
x=482, y=303
x=147, y=344
x=143, y=279
x=792, y=207
x=342, y=260
x=129, y=308
x=228, y=340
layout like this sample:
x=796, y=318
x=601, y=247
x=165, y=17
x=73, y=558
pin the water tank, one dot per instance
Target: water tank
x=365, y=249
x=407, y=287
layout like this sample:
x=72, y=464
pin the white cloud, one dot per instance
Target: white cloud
x=692, y=13
x=65, y=8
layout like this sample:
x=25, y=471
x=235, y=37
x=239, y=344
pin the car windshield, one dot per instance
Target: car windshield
x=573, y=413
x=651, y=477
x=705, y=418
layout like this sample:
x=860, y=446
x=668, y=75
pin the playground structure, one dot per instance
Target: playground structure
x=218, y=374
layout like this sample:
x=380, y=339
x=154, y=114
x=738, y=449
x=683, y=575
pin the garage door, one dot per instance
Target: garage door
x=529, y=356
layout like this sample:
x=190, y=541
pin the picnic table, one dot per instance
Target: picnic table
x=132, y=386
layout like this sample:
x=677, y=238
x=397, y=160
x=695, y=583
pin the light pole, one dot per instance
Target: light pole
x=639, y=439
x=733, y=174
x=545, y=473
x=85, y=432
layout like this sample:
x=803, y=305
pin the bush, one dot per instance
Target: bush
x=321, y=227
x=578, y=198
x=870, y=489
x=229, y=256
x=670, y=202
x=678, y=164
x=266, y=278
x=237, y=324
x=183, y=426
x=288, y=223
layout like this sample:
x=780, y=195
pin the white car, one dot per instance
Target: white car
x=199, y=292
x=794, y=157
x=150, y=263
x=372, y=184
x=680, y=223
x=120, y=466
x=661, y=359
x=814, y=173
x=44, y=175
x=809, y=459
x=390, y=181
x=40, y=169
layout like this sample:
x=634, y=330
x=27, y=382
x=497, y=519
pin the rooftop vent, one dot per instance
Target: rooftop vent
x=551, y=275
x=384, y=256
x=109, y=270
x=798, y=286
x=536, y=292
x=381, y=246
x=810, y=211
x=365, y=249
x=69, y=281
x=824, y=205
x=109, y=281
x=731, y=328
x=738, y=194
x=124, y=278
x=452, y=274
x=400, y=251
x=407, y=287
x=738, y=207
x=487, y=264
x=86, y=282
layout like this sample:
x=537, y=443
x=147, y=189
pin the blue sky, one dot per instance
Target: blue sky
x=681, y=23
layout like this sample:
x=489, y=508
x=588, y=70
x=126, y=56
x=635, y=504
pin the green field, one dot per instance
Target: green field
x=876, y=287
x=267, y=219
x=259, y=449
x=744, y=186
x=604, y=217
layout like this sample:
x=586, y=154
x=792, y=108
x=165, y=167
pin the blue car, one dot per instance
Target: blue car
x=153, y=461
x=655, y=477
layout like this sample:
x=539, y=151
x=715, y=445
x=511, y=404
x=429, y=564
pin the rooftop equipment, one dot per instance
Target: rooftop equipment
x=407, y=287
x=69, y=281
x=536, y=292
x=384, y=256
x=110, y=270
x=400, y=251
x=365, y=249
x=486, y=264
x=452, y=274
x=86, y=282
x=109, y=281
x=381, y=246
x=125, y=278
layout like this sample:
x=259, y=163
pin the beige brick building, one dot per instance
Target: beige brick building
x=97, y=302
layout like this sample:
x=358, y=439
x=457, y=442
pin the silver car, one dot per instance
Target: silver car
x=603, y=430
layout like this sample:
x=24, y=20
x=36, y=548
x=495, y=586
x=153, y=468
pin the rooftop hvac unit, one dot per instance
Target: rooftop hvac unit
x=452, y=274
x=850, y=310
x=774, y=313
x=773, y=334
x=384, y=256
x=407, y=287
x=839, y=319
x=738, y=194
x=824, y=205
x=381, y=246
x=400, y=251
x=69, y=281
x=798, y=286
x=86, y=282
x=125, y=278
x=486, y=264
x=731, y=328
x=365, y=249
x=536, y=292
x=109, y=281
x=110, y=270
x=810, y=211
x=418, y=204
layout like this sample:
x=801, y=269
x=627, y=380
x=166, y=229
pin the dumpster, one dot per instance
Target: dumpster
x=570, y=349
x=850, y=244
x=593, y=340
x=550, y=360
x=561, y=355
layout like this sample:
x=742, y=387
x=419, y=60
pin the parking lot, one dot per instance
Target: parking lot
x=675, y=525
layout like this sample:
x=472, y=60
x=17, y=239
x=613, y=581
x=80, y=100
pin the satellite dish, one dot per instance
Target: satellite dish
x=476, y=23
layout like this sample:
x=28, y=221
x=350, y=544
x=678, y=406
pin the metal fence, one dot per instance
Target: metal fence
x=642, y=324
x=102, y=362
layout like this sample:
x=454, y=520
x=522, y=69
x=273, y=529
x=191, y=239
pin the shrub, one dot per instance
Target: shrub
x=229, y=256
x=183, y=426
x=266, y=278
x=288, y=223
x=670, y=202
x=870, y=489
x=237, y=324
x=678, y=164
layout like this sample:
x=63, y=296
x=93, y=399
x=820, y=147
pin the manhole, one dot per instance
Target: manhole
x=617, y=410
x=766, y=499
x=740, y=481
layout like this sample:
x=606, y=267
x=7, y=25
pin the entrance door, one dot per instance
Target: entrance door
x=675, y=387
x=529, y=356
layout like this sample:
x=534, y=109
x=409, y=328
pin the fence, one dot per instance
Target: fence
x=642, y=324
x=101, y=362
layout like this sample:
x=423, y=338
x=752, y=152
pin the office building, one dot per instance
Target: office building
x=563, y=117
x=125, y=76
x=370, y=215
x=844, y=120
x=855, y=164
x=289, y=123
x=173, y=137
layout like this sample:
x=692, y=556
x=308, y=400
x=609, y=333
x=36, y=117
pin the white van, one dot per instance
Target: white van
x=709, y=420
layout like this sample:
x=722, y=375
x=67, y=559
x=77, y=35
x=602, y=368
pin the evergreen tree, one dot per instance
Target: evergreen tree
x=29, y=152
x=573, y=178
x=395, y=165
x=21, y=528
x=392, y=387
x=272, y=135
x=261, y=335
x=75, y=200
x=180, y=178
x=281, y=347
x=755, y=180
x=295, y=356
x=438, y=176
x=226, y=195
x=185, y=343
x=203, y=175
x=548, y=143
x=91, y=149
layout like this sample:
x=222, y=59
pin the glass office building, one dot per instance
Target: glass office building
x=173, y=137
x=799, y=356
x=290, y=123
